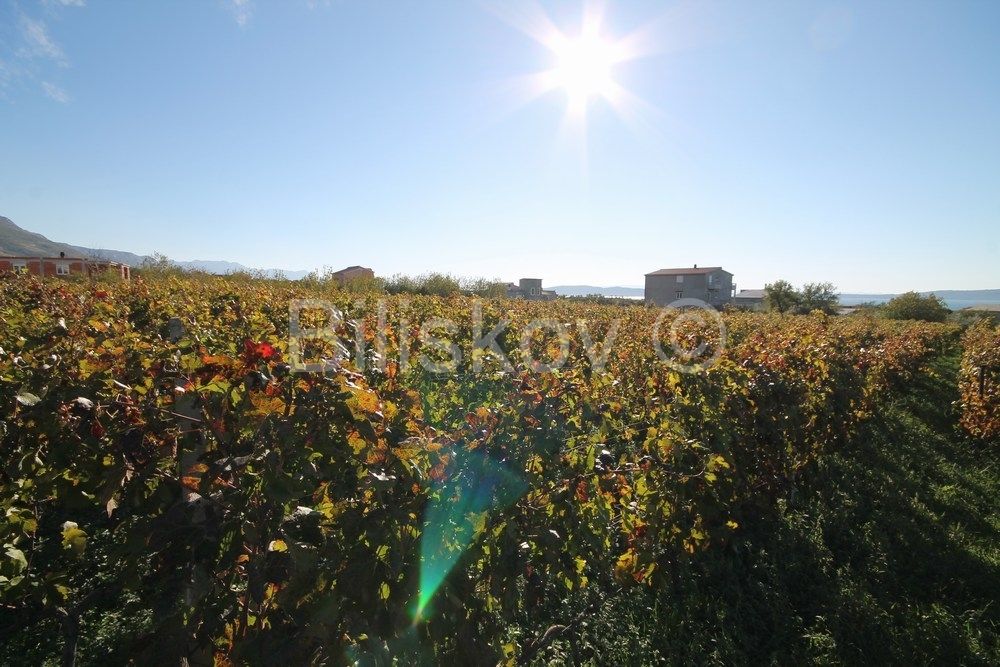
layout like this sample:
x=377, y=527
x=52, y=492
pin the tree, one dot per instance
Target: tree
x=160, y=265
x=781, y=296
x=818, y=296
x=914, y=306
x=158, y=262
x=484, y=287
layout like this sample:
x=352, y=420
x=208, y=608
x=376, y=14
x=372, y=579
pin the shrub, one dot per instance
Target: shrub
x=914, y=306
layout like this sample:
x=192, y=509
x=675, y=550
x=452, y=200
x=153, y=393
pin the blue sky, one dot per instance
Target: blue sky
x=852, y=142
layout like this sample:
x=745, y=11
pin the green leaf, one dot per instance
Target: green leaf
x=16, y=555
x=27, y=398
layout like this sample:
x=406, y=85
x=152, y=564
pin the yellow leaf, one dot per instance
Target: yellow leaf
x=277, y=545
x=626, y=562
x=365, y=401
x=74, y=538
x=717, y=461
x=357, y=443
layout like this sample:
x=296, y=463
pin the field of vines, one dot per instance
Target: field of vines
x=979, y=381
x=162, y=455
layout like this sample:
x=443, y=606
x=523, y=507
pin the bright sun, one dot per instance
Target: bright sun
x=583, y=62
x=583, y=68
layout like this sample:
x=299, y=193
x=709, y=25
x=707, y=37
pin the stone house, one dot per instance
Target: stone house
x=749, y=299
x=352, y=273
x=711, y=284
x=530, y=289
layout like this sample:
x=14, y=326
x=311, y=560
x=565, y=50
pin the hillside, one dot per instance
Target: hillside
x=15, y=240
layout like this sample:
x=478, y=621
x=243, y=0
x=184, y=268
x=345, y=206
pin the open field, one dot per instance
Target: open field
x=178, y=484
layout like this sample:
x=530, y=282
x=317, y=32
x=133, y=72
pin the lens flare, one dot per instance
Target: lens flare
x=456, y=513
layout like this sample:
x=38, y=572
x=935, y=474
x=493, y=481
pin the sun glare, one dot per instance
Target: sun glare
x=583, y=69
x=582, y=62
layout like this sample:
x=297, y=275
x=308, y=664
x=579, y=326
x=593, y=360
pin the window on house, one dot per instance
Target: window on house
x=679, y=294
x=680, y=279
x=711, y=280
x=62, y=269
x=20, y=267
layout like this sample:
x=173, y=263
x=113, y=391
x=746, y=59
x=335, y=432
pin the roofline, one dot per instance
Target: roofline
x=689, y=270
x=354, y=268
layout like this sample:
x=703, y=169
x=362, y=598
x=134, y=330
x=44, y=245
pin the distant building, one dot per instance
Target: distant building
x=352, y=273
x=530, y=289
x=64, y=266
x=750, y=299
x=710, y=284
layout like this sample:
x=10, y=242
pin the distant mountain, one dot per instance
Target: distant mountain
x=590, y=290
x=17, y=241
x=120, y=256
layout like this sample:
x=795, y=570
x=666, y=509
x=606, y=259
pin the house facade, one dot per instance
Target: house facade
x=352, y=273
x=63, y=266
x=530, y=289
x=711, y=284
x=749, y=299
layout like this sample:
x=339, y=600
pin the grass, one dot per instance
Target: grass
x=890, y=556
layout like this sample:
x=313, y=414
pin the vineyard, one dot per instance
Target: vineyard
x=232, y=481
x=980, y=381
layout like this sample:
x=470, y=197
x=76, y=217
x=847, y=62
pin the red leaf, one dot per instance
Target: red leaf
x=253, y=352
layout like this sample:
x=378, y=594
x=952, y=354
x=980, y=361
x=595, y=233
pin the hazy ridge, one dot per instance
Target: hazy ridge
x=15, y=240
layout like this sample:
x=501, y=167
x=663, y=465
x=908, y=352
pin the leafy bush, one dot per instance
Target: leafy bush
x=914, y=306
x=782, y=297
x=158, y=267
x=818, y=296
x=436, y=284
x=442, y=284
